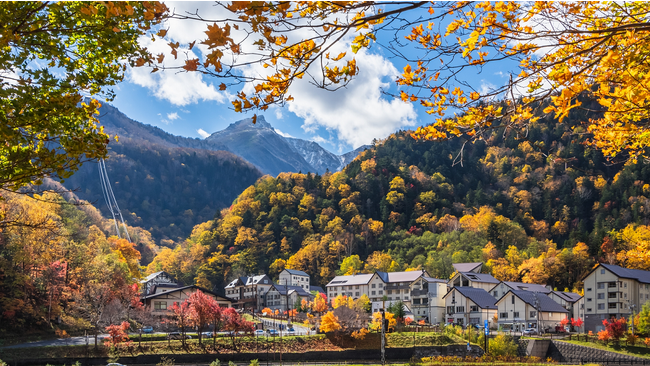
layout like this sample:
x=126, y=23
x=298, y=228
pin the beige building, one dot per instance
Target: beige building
x=427, y=302
x=160, y=302
x=352, y=286
x=519, y=310
x=468, y=305
x=571, y=302
x=472, y=279
x=612, y=292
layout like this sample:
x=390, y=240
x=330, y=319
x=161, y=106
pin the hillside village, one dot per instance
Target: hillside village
x=468, y=298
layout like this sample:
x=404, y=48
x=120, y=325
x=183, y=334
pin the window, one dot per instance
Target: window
x=515, y=314
x=356, y=287
x=589, y=299
x=588, y=289
x=612, y=305
x=372, y=292
x=460, y=309
x=503, y=315
x=611, y=284
x=495, y=294
x=601, y=285
x=160, y=305
x=625, y=285
x=450, y=309
x=389, y=298
x=589, y=310
x=512, y=297
x=356, y=293
x=611, y=295
x=601, y=296
x=601, y=306
x=602, y=271
x=473, y=308
x=381, y=285
x=373, y=285
x=533, y=314
x=381, y=292
x=390, y=292
x=416, y=301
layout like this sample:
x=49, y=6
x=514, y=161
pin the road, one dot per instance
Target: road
x=72, y=341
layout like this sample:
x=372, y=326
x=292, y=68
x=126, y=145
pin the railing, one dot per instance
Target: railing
x=397, y=287
x=419, y=293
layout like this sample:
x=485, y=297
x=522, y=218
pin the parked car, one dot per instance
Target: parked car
x=147, y=329
x=529, y=331
x=291, y=331
x=273, y=332
x=178, y=335
x=259, y=332
x=206, y=334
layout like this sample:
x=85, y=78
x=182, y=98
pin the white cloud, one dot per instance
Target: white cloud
x=319, y=140
x=172, y=116
x=202, y=133
x=358, y=113
x=282, y=133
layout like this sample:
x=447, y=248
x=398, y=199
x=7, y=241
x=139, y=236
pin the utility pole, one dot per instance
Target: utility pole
x=383, y=337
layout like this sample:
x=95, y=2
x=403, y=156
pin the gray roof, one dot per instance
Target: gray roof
x=480, y=277
x=256, y=279
x=358, y=279
x=431, y=279
x=533, y=287
x=317, y=289
x=283, y=290
x=478, y=295
x=296, y=272
x=635, y=274
x=392, y=277
x=568, y=296
x=467, y=267
x=235, y=282
x=185, y=288
x=545, y=303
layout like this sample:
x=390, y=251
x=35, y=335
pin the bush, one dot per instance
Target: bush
x=502, y=345
x=215, y=363
x=254, y=363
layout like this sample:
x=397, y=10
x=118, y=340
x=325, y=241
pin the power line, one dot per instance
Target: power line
x=111, y=202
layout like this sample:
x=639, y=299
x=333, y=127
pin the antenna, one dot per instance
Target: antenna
x=111, y=202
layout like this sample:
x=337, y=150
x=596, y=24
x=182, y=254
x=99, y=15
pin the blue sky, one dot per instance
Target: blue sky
x=189, y=104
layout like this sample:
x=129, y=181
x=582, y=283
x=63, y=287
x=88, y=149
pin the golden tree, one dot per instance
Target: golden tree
x=554, y=52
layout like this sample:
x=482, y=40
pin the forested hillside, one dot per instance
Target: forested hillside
x=539, y=213
x=166, y=189
x=60, y=265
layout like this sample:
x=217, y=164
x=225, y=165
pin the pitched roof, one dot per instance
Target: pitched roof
x=296, y=272
x=358, y=279
x=185, y=288
x=635, y=274
x=391, y=277
x=317, y=289
x=154, y=275
x=467, y=267
x=284, y=290
x=478, y=295
x=568, y=296
x=431, y=279
x=533, y=287
x=480, y=277
x=256, y=279
x=545, y=303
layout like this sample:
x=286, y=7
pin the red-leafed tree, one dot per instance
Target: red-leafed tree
x=234, y=323
x=564, y=322
x=577, y=322
x=201, y=308
x=180, y=316
x=117, y=334
x=217, y=319
x=615, y=328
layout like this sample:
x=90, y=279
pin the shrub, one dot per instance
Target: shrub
x=254, y=363
x=215, y=363
x=502, y=345
x=603, y=335
x=631, y=339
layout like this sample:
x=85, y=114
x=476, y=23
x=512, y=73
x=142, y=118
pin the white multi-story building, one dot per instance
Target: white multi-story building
x=284, y=298
x=469, y=305
x=612, y=292
x=519, y=310
x=292, y=277
x=427, y=301
x=249, y=292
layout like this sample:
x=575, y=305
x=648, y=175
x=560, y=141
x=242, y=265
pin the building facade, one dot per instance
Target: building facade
x=292, y=277
x=427, y=301
x=519, y=310
x=468, y=305
x=160, y=303
x=612, y=292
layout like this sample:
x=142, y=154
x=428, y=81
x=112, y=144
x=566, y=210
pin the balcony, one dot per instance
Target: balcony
x=415, y=293
x=397, y=287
